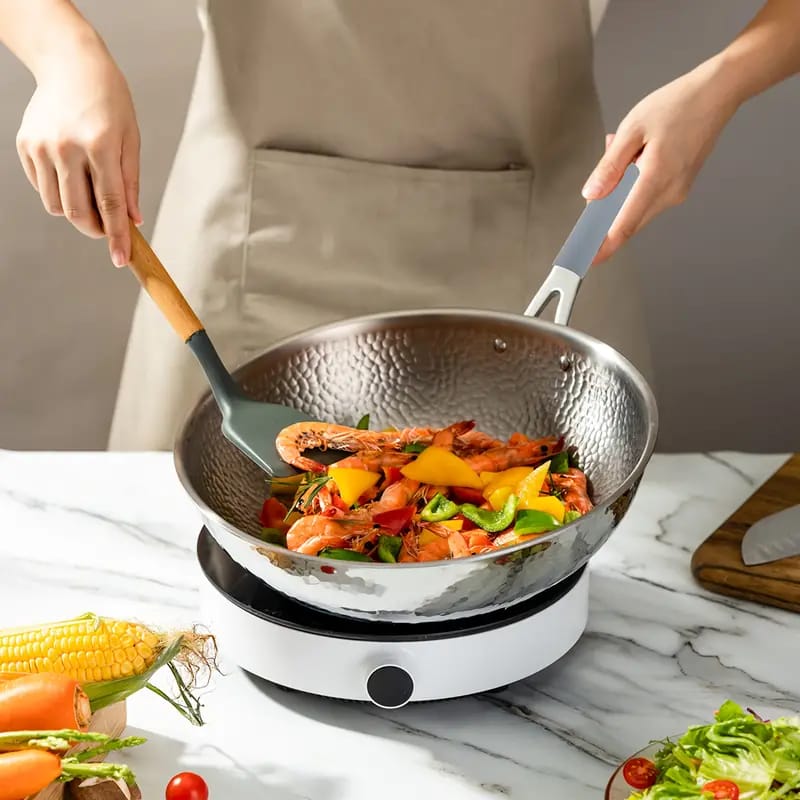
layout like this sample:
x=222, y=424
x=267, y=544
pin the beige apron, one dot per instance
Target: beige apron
x=343, y=157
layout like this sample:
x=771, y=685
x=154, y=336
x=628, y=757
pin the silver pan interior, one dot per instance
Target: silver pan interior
x=507, y=372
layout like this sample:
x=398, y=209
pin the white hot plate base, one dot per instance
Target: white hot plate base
x=390, y=673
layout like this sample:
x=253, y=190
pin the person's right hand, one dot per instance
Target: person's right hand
x=79, y=146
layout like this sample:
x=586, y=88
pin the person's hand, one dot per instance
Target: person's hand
x=668, y=134
x=79, y=146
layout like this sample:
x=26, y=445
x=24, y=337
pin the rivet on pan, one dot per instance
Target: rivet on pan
x=565, y=362
x=500, y=346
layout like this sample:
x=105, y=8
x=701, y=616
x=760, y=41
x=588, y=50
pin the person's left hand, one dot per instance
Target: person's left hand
x=669, y=134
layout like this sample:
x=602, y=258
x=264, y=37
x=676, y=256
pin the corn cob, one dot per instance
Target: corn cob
x=87, y=650
x=110, y=658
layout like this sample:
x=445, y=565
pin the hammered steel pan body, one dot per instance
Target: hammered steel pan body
x=508, y=372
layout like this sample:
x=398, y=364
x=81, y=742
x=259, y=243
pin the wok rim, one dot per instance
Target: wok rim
x=318, y=333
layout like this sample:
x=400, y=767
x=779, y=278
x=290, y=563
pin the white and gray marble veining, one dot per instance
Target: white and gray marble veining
x=113, y=533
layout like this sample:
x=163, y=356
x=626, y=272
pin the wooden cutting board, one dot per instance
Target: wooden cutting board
x=717, y=564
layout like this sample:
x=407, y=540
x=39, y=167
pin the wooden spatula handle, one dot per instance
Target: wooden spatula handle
x=156, y=281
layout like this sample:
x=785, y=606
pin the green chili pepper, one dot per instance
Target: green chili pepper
x=414, y=447
x=273, y=536
x=492, y=521
x=571, y=516
x=559, y=463
x=572, y=454
x=439, y=509
x=363, y=423
x=343, y=554
x=389, y=548
x=531, y=521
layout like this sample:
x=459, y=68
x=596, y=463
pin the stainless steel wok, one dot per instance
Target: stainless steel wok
x=508, y=372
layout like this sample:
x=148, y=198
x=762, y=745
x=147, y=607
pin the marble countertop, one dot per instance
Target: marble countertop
x=114, y=534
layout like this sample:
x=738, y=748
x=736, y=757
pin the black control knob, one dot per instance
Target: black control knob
x=390, y=686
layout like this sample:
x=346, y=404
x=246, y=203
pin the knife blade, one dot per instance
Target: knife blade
x=773, y=538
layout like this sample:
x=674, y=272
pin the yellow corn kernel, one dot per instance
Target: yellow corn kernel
x=87, y=649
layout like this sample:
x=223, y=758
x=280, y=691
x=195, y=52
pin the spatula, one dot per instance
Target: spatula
x=249, y=424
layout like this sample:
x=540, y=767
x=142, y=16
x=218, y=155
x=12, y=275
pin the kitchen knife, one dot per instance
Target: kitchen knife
x=773, y=538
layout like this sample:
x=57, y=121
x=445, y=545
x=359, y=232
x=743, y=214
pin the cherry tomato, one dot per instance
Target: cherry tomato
x=187, y=786
x=640, y=773
x=722, y=790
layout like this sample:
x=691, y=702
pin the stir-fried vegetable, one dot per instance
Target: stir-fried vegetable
x=492, y=521
x=439, y=509
x=737, y=756
x=421, y=494
x=352, y=483
x=437, y=466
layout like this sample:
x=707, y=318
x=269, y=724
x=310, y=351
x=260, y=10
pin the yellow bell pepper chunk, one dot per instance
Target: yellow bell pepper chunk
x=427, y=537
x=440, y=467
x=487, y=477
x=550, y=505
x=529, y=488
x=498, y=497
x=352, y=483
x=453, y=524
x=509, y=477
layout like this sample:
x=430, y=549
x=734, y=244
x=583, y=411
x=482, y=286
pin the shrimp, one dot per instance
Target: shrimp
x=451, y=544
x=371, y=446
x=375, y=462
x=313, y=532
x=524, y=454
x=461, y=437
x=396, y=495
x=294, y=439
x=434, y=550
x=325, y=500
x=576, y=493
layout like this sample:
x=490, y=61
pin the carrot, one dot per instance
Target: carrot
x=43, y=701
x=12, y=676
x=27, y=771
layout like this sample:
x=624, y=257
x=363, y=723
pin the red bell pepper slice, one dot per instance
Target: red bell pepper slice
x=468, y=525
x=393, y=475
x=395, y=519
x=465, y=494
x=272, y=515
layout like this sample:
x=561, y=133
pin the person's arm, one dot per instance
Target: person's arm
x=671, y=132
x=79, y=140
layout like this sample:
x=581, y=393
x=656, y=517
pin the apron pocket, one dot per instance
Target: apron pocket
x=330, y=238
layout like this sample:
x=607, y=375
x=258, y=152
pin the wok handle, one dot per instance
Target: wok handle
x=576, y=256
x=156, y=281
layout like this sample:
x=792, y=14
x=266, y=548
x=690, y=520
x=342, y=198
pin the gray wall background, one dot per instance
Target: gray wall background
x=720, y=271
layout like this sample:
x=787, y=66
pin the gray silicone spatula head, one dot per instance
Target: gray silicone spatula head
x=251, y=425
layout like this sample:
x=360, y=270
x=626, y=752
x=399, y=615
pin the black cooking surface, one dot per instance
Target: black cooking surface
x=253, y=595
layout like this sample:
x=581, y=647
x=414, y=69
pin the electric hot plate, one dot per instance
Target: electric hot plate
x=384, y=663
